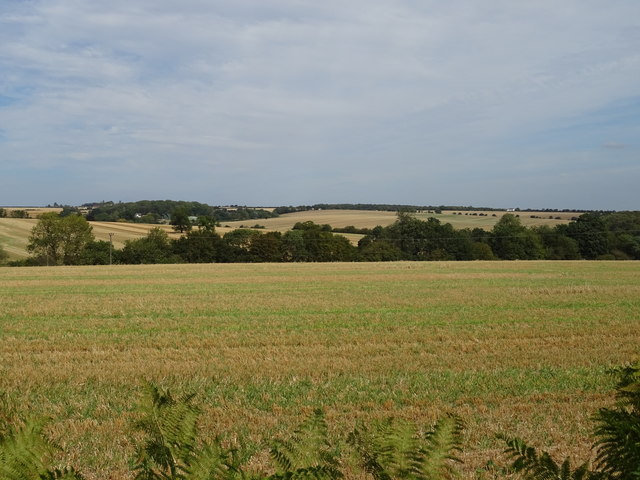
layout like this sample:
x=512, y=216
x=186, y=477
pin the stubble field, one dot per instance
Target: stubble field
x=517, y=347
x=373, y=218
x=15, y=233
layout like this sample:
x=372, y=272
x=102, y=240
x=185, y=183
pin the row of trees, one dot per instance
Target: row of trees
x=159, y=211
x=68, y=240
x=591, y=236
x=387, y=207
x=13, y=213
x=204, y=245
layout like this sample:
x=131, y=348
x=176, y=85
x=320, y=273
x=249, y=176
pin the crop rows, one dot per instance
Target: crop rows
x=520, y=347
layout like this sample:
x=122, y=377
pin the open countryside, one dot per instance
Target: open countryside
x=14, y=232
x=518, y=347
x=370, y=219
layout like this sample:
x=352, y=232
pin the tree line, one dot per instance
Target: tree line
x=160, y=211
x=393, y=207
x=15, y=213
x=68, y=240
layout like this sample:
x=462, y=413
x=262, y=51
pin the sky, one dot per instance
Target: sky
x=495, y=103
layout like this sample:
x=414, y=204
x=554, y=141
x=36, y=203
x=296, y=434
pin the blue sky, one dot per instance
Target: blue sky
x=493, y=103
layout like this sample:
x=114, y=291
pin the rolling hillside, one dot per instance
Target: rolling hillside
x=14, y=232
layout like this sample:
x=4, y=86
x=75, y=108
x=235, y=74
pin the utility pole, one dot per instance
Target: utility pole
x=110, y=248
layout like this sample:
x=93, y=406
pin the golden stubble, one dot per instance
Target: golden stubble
x=518, y=347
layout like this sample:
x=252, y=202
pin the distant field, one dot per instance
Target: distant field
x=126, y=231
x=370, y=219
x=461, y=219
x=34, y=212
x=519, y=347
x=14, y=233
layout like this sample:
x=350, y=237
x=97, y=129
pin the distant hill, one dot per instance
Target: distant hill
x=160, y=211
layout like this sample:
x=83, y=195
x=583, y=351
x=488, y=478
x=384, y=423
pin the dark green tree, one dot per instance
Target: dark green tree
x=19, y=214
x=60, y=240
x=200, y=246
x=323, y=246
x=430, y=240
x=266, y=247
x=481, y=251
x=293, y=247
x=207, y=224
x=556, y=245
x=510, y=240
x=96, y=252
x=68, y=210
x=624, y=234
x=590, y=231
x=240, y=238
x=238, y=242
x=180, y=220
x=379, y=251
x=154, y=248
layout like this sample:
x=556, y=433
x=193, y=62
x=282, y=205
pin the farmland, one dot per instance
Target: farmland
x=14, y=232
x=518, y=347
x=372, y=218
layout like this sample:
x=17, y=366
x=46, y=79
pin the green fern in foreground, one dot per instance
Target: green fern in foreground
x=26, y=454
x=308, y=453
x=170, y=449
x=617, y=442
x=618, y=429
x=534, y=466
x=395, y=449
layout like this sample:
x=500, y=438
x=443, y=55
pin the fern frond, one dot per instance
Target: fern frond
x=25, y=452
x=394, y=449
x=68, y=473
x=536, y=466
x=171, y=428
x=308, y=449
x=437, y=458
x=618, y=428
x=310, y=473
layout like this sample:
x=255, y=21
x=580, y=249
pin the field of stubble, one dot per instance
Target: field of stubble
x=517, y=347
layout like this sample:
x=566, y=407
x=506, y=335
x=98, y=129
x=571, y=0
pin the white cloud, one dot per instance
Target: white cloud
x=250, y=86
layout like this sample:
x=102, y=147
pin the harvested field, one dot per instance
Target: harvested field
x=335, y=218
x=34, y=212
x=370, y=219
x=126, y=231
x=14, y=235
x=519, y=347
x=15, y=232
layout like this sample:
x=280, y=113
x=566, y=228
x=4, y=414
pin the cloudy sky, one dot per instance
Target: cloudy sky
x=501, y=103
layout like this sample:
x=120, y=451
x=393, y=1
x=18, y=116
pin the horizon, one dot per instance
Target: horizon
x=261, y=206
